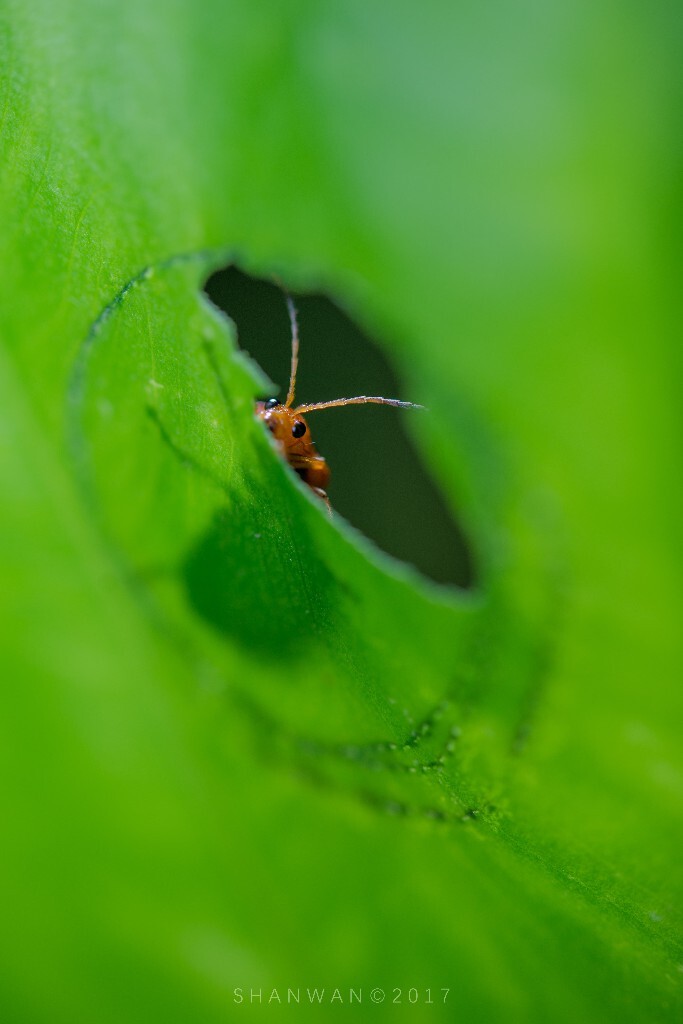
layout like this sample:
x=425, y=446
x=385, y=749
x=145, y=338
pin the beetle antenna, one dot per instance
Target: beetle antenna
x=291, y=309
x=360, y=400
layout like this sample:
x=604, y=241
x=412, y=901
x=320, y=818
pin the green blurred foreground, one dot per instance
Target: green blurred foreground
x=242, y=749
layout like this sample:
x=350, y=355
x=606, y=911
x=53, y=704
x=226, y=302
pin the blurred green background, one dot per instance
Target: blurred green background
x=242, y=748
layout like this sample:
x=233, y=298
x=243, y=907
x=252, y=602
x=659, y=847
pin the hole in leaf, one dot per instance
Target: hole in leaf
x=379, y=482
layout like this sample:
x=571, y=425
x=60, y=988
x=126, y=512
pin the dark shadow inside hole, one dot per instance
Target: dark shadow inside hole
x=379, y=482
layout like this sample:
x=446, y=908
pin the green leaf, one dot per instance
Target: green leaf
x=242, y=748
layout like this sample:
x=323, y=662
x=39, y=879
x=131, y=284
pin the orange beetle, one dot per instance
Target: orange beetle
x=291, y=431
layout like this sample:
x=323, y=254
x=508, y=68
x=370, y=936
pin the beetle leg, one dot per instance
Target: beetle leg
x=322, y=494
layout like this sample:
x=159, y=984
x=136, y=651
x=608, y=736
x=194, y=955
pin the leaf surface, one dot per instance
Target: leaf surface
x=243, y=748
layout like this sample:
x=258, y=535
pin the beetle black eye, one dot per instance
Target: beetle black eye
x=271, y=403
x=299, y=429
